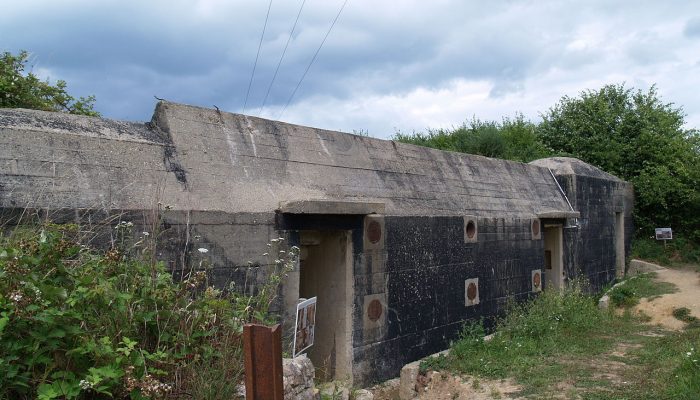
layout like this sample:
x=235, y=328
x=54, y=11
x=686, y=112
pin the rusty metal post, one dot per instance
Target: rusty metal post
x=262, y=346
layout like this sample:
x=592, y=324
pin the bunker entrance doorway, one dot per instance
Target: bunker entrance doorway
x=553, y=257
x=619, y=244
x=325, y=271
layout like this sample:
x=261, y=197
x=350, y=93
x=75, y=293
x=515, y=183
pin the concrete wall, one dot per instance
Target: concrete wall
x=229, y=183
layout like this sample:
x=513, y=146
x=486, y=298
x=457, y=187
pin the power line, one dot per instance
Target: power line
x=279, y=63
x=313, y=59
x=256, y=56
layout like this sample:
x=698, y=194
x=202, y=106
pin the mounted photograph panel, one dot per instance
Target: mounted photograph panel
x=305, y=323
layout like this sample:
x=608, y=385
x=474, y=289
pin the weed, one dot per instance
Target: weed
x=623, y=296
x=683, y=314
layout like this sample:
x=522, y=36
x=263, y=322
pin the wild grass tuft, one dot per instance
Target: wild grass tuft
x=628, y=293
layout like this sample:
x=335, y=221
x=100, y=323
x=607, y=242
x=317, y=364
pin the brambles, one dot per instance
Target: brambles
x=80, y=323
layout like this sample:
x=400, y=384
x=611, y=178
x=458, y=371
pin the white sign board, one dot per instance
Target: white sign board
x=664, y=234
x=306, y=321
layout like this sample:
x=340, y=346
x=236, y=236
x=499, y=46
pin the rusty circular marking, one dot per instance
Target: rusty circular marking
x=471, y=229
x=535, y=227
x=374, y=232
x=537, y=280
x=471, y=291
x=374, y=310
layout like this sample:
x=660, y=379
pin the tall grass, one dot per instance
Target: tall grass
x=552, y=324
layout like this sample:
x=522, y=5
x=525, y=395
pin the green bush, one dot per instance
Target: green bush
x=678, y=250
x=623, y=296
x=77, y=323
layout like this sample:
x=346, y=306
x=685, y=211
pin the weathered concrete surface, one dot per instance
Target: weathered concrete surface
x=641, y=267
x=194, y=158
x=330, y=207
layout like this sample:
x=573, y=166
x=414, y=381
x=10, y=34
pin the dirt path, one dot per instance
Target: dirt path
x=660, y=309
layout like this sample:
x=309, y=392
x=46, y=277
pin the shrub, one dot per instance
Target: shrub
x=79, y=323
x=623, y=296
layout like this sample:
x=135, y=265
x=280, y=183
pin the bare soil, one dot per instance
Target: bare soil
x=660, y=309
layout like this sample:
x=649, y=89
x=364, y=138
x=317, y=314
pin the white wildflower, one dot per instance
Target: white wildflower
x=16, y=296
x=85, y=385
x=202, y=250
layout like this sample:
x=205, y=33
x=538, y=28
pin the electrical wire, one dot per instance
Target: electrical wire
x=313, y=59
x=279, y=63
x=256, y=56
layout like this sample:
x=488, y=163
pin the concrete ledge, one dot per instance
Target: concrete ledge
x=558, y=214
x=641, y=267
x=330, y=207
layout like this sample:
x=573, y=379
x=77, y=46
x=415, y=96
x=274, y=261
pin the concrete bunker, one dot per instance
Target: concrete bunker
x=393, y=234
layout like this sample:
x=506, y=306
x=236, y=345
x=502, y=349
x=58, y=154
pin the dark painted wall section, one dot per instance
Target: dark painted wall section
x=589, y=250
x=426, y=268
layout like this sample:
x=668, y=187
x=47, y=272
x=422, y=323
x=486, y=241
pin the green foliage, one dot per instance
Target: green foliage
x=623, y=296
x=513, y=139
x=25, y=90
x=637, y=137
x=677, y=251
x=77, y=323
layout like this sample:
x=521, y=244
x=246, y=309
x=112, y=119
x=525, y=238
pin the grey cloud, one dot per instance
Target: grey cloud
x=692, y=27
x=125, y=52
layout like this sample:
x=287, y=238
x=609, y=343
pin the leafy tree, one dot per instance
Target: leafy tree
x=25, y=90
x=636, y=136
x=512, y=139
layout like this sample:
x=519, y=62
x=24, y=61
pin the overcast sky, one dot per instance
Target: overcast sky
x=387, y=65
